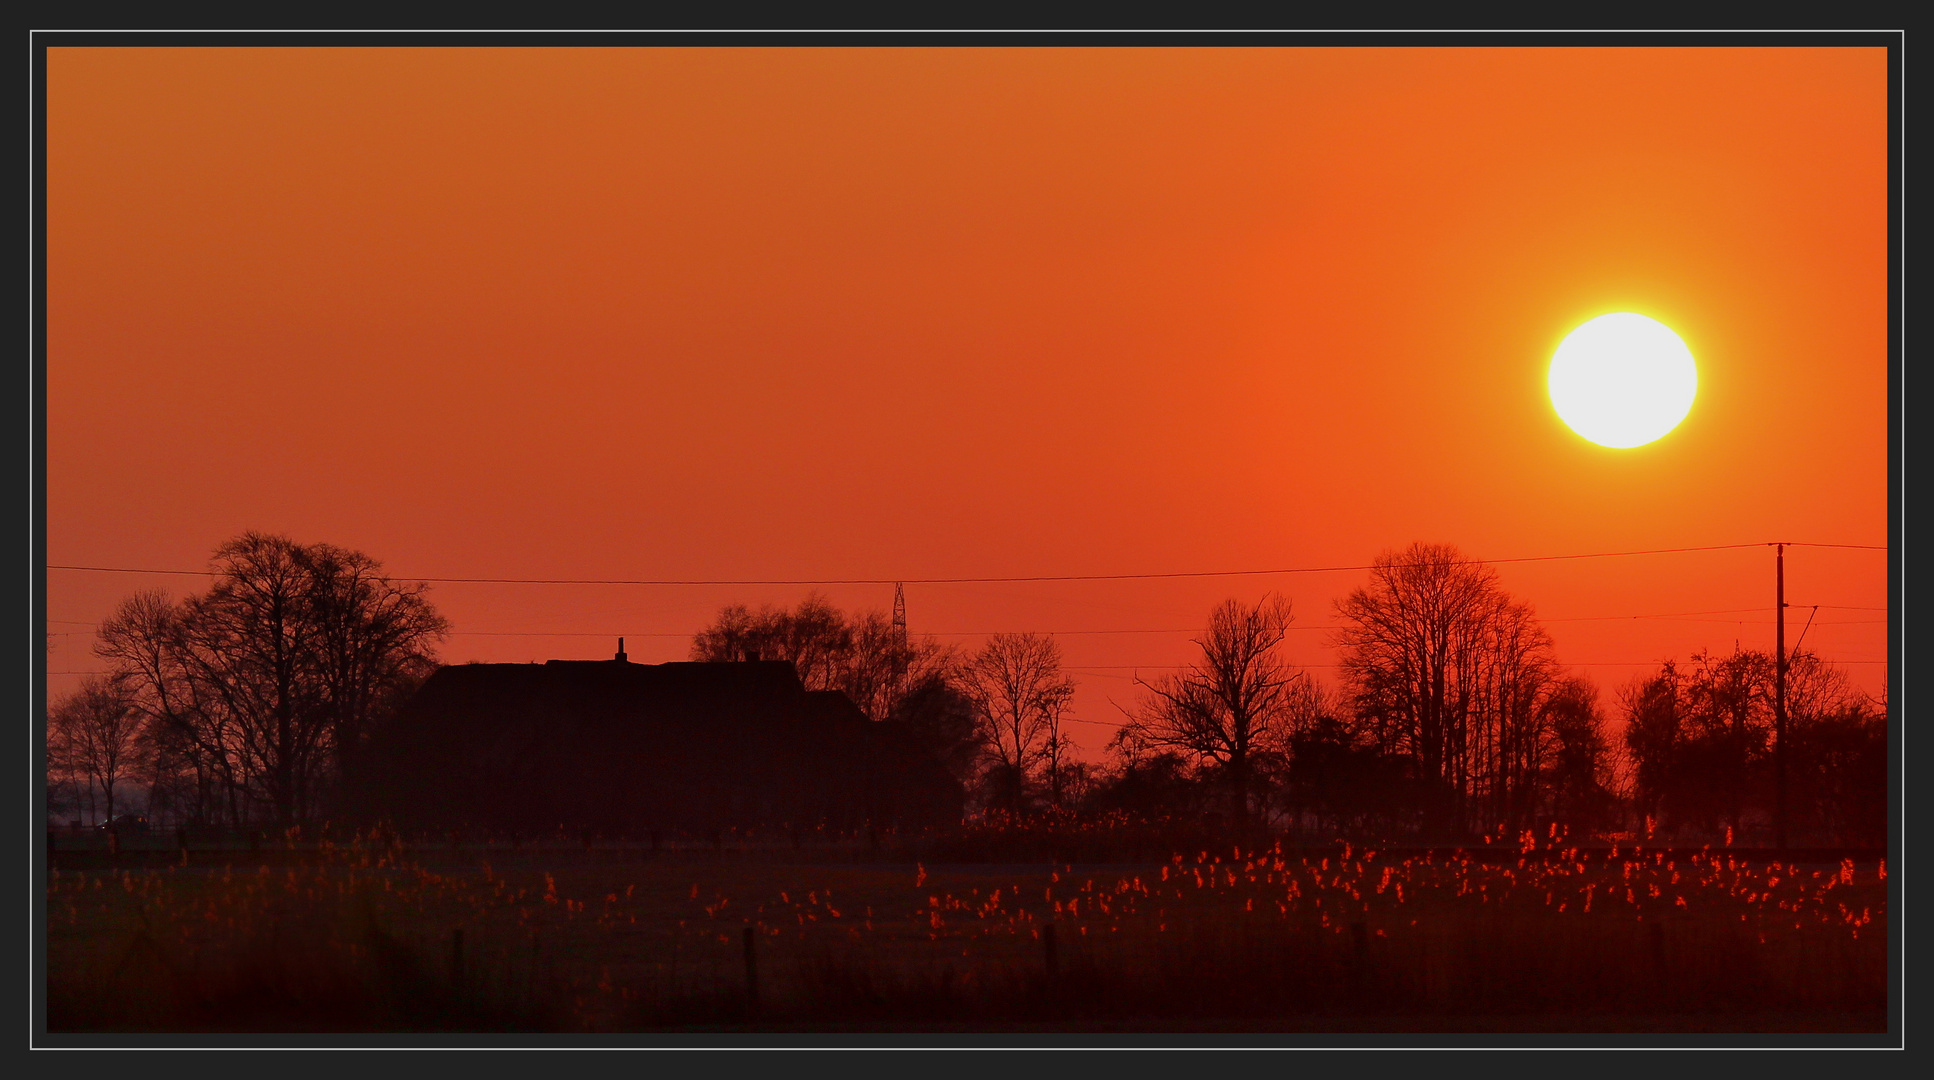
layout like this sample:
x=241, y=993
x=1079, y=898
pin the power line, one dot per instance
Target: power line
x=1196, y=629
x=990, y=580
x=127, y=570
x=555, y=633
x=1764, y=620
x=1071, y=633
x=1334, y=626
x=1665, y=615
x=1102, y=669
x=1067, y=633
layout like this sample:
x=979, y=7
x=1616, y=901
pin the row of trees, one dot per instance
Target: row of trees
x=994, y=716
x=245, y=703
x=1454, y=707
x=1452, y=711
x=1700, y=740
x=1451, y=714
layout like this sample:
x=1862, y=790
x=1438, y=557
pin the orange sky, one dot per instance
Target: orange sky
x=921, y=313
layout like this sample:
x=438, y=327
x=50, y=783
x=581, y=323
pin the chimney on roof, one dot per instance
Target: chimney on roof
x=621, y=651
x=752, y=655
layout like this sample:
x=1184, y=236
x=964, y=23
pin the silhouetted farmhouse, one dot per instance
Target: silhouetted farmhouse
x=625, y=748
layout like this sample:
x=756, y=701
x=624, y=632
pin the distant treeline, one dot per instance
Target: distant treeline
x=1451, y=716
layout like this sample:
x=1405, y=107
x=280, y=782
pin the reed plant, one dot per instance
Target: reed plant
x=369, y=938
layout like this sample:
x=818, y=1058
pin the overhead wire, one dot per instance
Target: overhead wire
x=1057, y=577
x=997, y=579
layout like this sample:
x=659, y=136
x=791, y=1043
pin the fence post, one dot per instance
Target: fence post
x=751, y=972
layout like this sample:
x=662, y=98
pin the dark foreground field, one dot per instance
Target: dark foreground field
x=373, y=939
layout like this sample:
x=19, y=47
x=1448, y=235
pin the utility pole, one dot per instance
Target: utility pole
x=1779, y=696
x=899, y=645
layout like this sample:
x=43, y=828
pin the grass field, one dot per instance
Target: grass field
x=366, y=938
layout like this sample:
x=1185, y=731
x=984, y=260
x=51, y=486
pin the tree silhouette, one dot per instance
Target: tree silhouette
x=94, y=738
x=1698, y=735
x=1700, y=740
x=270, y=681
x=1341, y=779
x=1445, y=668
x=859, y=655
x=1654, y=709
x=1151, y=785
x=1731, y=709
x=1837, y=766
x=943, y=719
x=1019, y=696
x=815, y=637
x=1230, y=706
x=1575, y=768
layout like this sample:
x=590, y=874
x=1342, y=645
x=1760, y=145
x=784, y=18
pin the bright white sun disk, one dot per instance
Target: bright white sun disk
x=1623, y=380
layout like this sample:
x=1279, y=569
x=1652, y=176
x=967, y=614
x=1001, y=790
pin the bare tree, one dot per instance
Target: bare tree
x=1019, y=694
x=146, y=646
x=1510, y=733
x=94, y=735
x=883, y=670
x=1057, y=756
x=266, y=680
x=1231, y=705
x=1446, y=669
x=373, y=639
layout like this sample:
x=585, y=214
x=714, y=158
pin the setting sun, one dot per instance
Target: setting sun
x=1623, y=380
